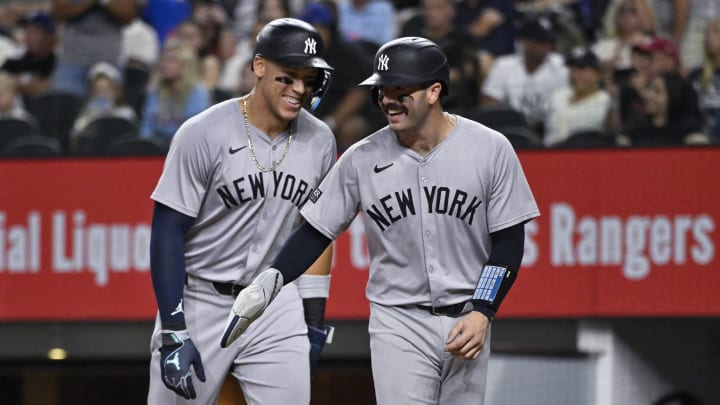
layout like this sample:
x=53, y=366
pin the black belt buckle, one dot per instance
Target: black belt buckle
x=228, y=288
x=447, y=310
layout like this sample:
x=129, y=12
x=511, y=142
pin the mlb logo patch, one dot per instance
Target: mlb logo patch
x=315, y=195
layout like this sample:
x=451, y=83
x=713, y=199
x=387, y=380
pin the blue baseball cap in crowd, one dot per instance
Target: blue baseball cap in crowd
x=40, y=19
x=317, y=14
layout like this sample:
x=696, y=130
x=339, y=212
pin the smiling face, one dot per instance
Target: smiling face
x=285, y=89
x=406, y=108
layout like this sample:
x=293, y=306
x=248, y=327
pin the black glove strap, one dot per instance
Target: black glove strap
x=315, y=311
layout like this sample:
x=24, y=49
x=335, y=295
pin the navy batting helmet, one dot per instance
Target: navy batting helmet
x=294, y=43
x=291, y=42
x=409, y=61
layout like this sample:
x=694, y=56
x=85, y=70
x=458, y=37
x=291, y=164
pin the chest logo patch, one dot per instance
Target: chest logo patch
x=377, y=169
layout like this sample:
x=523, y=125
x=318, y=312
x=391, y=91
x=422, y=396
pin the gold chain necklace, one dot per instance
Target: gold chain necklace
x=252, y=150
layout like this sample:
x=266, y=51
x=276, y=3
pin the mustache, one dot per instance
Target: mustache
x=393, y=107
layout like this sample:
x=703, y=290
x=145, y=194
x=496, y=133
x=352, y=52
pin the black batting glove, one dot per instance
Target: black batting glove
x=318, y=338
x=177, y=354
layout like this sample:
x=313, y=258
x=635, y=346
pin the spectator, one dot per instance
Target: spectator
x=232, y=75
x=211, y=19
x=490, y=23
x=176, y=93
x=699, y=14
x=370, y=21
x=342, y=106
x=9, y=17
x=436, y=23
x=196, y=35
x=526, y=79
x=92, y=33
x=674, y=17
x=11, y=105
x=665, y=59
x=269, y=10
x=584, y=106
x=248, y=13
x=140, y=46
x=627, y=22
x=33, y=67
x=706, y=81
x=661, y=59
x=104, y=99
x=664, y=56
x=235, y=75
x=165, y=15
x=666, y=121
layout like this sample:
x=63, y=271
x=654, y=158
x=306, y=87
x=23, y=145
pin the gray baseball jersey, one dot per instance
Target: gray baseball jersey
x=428, y=218
x=242, y=215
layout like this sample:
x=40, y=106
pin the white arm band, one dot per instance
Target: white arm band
x=313, y=286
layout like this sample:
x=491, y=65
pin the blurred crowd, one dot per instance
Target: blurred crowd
x=118, y=77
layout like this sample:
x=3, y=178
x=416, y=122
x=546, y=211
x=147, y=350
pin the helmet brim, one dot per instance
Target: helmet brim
x=386, y=79
x=301, y=61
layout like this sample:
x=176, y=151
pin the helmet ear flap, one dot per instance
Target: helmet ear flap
x=320, y=86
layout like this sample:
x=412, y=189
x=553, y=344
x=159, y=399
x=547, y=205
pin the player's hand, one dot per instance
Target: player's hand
x=318, y=338
x=177, y=354
x=467, y=338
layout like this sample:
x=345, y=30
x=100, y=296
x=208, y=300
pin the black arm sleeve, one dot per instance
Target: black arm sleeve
x=300, y=251
x=508, y=245
x=167, y=262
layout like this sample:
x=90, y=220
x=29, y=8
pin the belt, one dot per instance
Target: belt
x=228, y=288
x=447, y=310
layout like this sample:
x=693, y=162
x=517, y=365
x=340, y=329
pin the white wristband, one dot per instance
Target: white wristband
x=313, y=286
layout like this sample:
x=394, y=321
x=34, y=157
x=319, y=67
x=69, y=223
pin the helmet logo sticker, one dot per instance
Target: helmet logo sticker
x=310, y=45
x=383, y=62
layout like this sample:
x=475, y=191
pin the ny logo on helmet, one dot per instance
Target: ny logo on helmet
x=310, y=45
x=383, y=62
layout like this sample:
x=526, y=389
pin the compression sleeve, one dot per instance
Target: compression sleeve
x=300, y=251
x=508, y=245
x=167, y=263
x=507, y=251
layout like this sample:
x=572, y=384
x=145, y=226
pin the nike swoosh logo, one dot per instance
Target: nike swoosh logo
x=234, y=151
x=377, y=169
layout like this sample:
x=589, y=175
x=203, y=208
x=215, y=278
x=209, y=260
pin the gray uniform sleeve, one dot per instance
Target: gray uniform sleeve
x=511, y=200
x=186, y=172
x=337, y=200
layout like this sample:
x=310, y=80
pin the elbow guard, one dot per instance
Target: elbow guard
x=492, y=287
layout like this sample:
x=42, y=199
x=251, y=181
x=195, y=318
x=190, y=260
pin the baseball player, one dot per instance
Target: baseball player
x=444, y=201
x=229, y=194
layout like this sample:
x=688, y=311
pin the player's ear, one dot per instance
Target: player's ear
x=433, y=93
x=259, y=65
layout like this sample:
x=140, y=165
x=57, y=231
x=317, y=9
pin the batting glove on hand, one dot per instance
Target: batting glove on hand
x=177, y=354
x=318, y=338
x=250, y=304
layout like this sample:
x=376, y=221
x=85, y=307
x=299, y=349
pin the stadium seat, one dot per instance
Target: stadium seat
x=521, y=137
x=56, y=113
x=498, y=117
x=33, y=146
x=588, y=139
x=136, y=146
x=11, y=128
x=100, y=133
